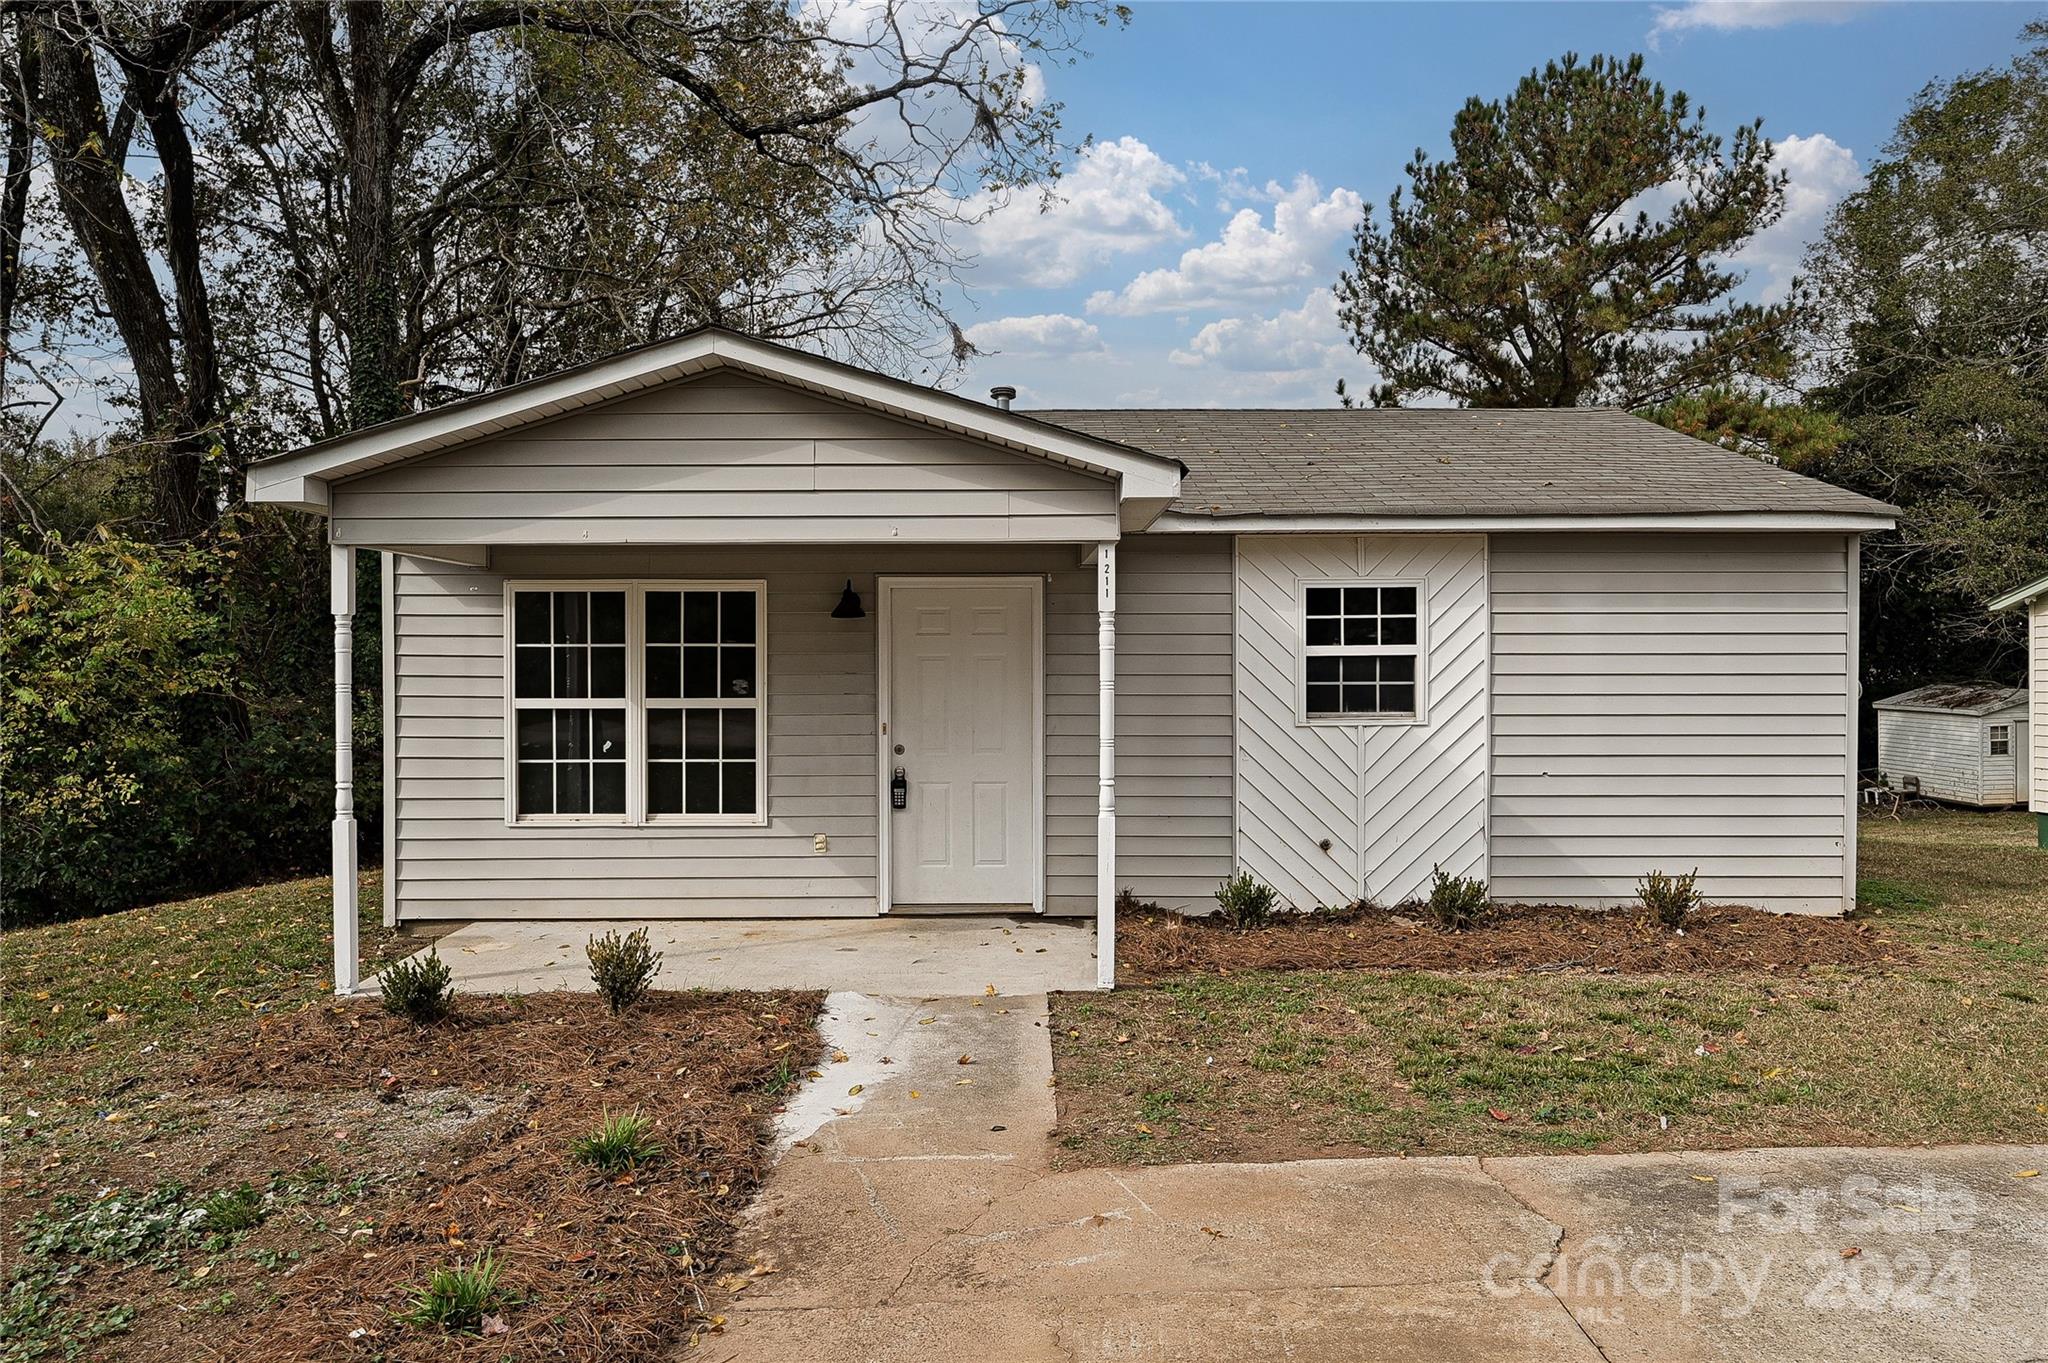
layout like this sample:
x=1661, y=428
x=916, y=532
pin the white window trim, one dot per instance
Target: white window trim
x=1302, y=653
x=635, y=703
x=1996, y=734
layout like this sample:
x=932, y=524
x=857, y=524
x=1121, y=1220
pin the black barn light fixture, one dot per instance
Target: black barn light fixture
x=849, y=607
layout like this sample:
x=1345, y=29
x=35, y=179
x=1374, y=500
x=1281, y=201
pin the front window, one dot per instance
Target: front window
x=1362, y=651
x=638, y=703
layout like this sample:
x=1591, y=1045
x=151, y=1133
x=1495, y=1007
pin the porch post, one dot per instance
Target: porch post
x=1105, y=815
x=342, y=598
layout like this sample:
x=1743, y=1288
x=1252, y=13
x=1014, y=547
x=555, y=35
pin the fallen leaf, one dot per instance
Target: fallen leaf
x=855, y=1089
x=1498, y=1115
x=990, y=991
x=1851, y=1252
x=2028, y=1173
x=494, y=1325
x=1702, y=1178
x=916, y=1094
x=965, y=1060
x=840, y=1057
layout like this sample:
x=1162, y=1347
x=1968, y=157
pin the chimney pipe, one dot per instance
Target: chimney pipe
x=1004, y=395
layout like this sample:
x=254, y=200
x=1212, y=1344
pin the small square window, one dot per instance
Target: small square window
x=2001, y=740
x=1361, y=642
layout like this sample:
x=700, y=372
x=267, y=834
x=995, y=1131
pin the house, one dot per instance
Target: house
x=1961, y=743
x=2034, y=596
x=715, y=627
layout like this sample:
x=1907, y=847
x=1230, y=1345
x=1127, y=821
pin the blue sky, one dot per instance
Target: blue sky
x=1190, y=260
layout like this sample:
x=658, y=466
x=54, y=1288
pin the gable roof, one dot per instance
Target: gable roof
x=1147, y=482
x=2021, y=596
x=1435, y=461
x=1955, y=698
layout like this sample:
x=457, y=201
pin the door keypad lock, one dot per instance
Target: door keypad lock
x=899, y=790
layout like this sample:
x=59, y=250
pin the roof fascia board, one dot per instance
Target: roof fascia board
x=1846, y=521
x=2022, y=596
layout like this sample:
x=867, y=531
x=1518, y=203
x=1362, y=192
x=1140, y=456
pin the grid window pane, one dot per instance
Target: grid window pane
x=700, y=617
x=738, y=733
x=736, y=618
x=700, y=673
x=664, y=788
x=738, y=787
x=530, y=618
x=700, y=787
x=1362, y=642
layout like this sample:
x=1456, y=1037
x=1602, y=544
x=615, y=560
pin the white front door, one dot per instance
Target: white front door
x=961, y=708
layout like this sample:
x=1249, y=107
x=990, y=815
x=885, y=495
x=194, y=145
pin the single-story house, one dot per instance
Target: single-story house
x=2034, y=597
x=1957, y=742
x=715, y=627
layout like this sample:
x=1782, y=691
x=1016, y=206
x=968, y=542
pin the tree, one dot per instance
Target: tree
x=1570, y=251
x=1932, y=338
x=454, y=195
x=1789, y=433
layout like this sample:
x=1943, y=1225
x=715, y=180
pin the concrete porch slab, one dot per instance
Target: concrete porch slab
x=891, y=957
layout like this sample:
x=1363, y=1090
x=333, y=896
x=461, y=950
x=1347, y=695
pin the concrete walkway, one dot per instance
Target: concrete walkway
x=918, y=1218
x=893, y=955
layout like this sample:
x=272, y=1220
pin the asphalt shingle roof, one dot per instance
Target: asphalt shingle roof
x=1424, y=461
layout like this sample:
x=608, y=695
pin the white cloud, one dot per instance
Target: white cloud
x=1040, y=336
x=1723, y=16
x=1821, y=172
x=1107, y=205
x=1294, y=357
x=1250, y=262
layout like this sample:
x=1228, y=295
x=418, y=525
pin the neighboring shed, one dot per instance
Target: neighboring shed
x=1962, y=743
x=2034, y=597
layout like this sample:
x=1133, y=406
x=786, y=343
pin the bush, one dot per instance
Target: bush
x=1455, y=902
x=1246, y=902
x=457, y=1299
x=621, y=1142
x=418, y=987
x=622, y=968
x=1670, y=899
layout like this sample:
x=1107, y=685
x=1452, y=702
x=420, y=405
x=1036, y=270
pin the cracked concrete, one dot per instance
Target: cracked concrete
x=919, y=1218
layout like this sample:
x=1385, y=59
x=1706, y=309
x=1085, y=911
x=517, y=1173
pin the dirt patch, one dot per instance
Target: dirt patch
x=379, y=1152
x=1155, y=945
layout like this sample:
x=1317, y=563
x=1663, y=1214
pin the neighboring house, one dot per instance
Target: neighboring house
x=2034, y=596
x=1962, y=743
x=662, y=631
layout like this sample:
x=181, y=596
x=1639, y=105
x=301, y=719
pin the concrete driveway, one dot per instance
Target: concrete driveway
x=915, y=1216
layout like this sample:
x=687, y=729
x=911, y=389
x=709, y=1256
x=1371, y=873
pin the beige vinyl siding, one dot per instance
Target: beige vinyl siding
x=1671, y=702
x=1393, y=799
x=1173, y=730
x=724, y=459
x=453, y=855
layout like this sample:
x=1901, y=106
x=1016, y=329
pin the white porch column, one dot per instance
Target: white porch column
x=1105, y=815
x=342, y=597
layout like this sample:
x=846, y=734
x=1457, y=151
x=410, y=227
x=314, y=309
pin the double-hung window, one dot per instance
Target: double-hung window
x=638, y=703
x=1362, y=652
x=2001, y=740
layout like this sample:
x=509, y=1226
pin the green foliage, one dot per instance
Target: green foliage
x=232, y=1210
x=1671, y=900
x=419, y=987
x=622, y=1141
x=1513, y=274
x=1750, y=423
x=1934, y=335
x=622, y=968
x=456, y=1299
x=1455, y=902
x=1245, y=902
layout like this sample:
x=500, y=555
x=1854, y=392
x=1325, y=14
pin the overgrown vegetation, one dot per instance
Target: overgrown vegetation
x=622, y=968
x=1946, y=1043
x=421, y=988
x=1245, y=901
x=1671, y=900
x=622, y=1142
x=1455, y=902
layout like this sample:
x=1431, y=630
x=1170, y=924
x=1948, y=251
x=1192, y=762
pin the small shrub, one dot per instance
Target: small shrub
x=457, y=1299
x=232, y=1210
x=622, y=968
x=622, y=1141
x=1670, y=899
x=419, y=987
x=1455, y=902
x=1245, y=901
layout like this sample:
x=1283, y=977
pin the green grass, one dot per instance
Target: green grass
x=1951, y=1046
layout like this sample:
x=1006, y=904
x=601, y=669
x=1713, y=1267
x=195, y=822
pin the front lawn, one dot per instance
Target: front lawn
x=1949, y=1042
x=210, y=1156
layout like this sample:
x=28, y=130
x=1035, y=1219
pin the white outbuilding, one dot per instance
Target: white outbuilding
x=1958, y=742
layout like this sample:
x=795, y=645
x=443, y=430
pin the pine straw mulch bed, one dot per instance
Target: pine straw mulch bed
x=1154, y=944
x=595, y=1268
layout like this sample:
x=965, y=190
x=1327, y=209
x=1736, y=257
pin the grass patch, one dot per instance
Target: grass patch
x=1943, y=1045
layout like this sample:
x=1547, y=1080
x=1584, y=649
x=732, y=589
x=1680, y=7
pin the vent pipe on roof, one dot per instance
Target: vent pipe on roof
x=1003, y=395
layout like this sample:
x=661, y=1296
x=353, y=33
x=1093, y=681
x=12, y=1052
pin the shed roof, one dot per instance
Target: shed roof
x=1434, y=461
x=2021, y=595
x=1956, y=698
